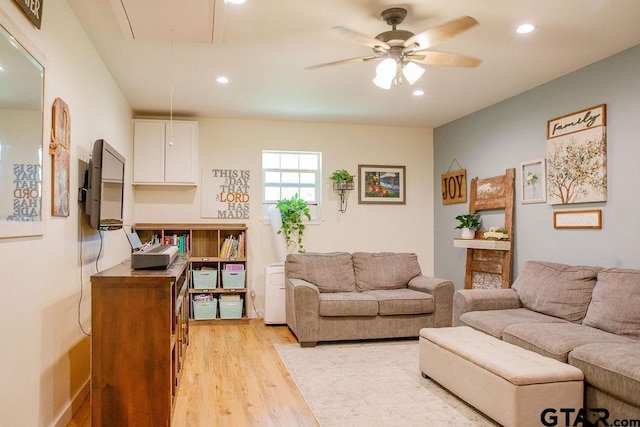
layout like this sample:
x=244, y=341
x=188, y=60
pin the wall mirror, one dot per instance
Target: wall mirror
x=21, y=135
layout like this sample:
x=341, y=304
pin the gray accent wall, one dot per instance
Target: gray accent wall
x=489, y=141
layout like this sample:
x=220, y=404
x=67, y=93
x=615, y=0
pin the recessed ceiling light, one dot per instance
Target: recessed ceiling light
x=222, y=80
x=1, y=69
x=525, y=28
x=234, y=1
x=418, y=92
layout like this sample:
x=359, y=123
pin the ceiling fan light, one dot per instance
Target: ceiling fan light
x=387, y=69
x=412, y=72
x=383, y=82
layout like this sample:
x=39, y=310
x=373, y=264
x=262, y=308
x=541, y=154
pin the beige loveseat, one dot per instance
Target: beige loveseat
x=588, y=317
x=342, y=296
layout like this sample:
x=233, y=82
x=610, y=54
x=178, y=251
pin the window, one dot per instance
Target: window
x=285, y=173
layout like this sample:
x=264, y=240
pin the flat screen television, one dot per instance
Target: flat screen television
x=104, y=186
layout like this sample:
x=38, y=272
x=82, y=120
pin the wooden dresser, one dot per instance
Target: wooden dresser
x=139, y=336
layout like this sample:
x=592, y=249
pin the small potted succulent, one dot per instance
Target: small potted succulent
x=342, y=180
x=468, y=224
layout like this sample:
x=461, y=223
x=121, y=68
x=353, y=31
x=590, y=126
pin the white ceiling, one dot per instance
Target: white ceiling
x=263, y=46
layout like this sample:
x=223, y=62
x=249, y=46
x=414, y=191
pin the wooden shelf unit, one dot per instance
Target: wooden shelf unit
x=139, y=339
x=489, y=262
x=205, y=241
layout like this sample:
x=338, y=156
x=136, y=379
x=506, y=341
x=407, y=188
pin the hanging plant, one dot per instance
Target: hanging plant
x=342, y=180
x=292, y=212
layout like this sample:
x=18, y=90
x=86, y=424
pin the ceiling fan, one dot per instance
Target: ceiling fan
x=400, y=51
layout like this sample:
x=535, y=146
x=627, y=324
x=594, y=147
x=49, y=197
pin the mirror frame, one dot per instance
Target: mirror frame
x=29, y=228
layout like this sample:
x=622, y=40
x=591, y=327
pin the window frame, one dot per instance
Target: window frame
x=315, y=207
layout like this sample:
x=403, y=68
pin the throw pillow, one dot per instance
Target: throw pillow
x=558, y=290
x=615, y=302
x=330, y=272
x=384, y=270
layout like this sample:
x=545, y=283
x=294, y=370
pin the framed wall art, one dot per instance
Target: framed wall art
x=381, y=184
x=533, y=181
x=59, y=148
x=578, y=219
x=576, y=157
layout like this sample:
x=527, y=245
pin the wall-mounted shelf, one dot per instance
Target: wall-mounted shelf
x=499, y=245
x=341, y=188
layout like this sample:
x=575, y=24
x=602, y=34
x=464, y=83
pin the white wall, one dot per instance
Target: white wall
x=238, y=144
x=45, y=359
x=502, y=136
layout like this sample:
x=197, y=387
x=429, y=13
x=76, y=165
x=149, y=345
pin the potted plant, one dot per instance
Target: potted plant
x=292, y=211
x=468, y=224
x=342, y=180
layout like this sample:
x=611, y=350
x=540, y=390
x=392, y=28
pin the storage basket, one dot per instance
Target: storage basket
x=233, y=279
x=230, y=309
x=205, y=306
x=205, y=279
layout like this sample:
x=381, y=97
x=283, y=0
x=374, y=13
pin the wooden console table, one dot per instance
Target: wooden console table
x=139, y=337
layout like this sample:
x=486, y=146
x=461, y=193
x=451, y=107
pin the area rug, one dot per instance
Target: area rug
x=373, y=384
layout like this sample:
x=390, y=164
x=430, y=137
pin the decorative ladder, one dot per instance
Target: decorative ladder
x=491, y=268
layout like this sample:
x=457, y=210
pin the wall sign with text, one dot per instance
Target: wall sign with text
x=577, y=157
x=454, y=187
x=32, y=9
x=225, y=193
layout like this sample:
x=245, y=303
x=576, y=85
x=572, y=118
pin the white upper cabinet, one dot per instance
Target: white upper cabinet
x=165, y=152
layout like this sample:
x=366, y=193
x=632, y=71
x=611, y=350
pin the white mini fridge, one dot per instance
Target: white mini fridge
x=274, y=298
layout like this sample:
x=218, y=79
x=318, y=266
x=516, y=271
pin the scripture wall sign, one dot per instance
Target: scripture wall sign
x=225, y=193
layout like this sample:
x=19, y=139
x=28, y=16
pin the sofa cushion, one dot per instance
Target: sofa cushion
x=402, y=301
x=347, y=304
x=493, y=322
x=615, y=306
x=558, y=290
x=385, y=270
x=330, y=272
x=556, y=340
x=613, y=368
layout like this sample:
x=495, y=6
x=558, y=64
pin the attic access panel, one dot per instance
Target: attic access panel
x=195, y=21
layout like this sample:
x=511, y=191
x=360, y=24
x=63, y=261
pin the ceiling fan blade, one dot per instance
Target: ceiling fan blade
x=363, y=39
x=439, y=34
x=344, y=61
x=431, y=57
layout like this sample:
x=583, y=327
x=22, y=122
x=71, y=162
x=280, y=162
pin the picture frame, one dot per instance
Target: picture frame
x=381, y=184
x=59, y=149
x=582, y=219
x=577, y=157
x=533, y=187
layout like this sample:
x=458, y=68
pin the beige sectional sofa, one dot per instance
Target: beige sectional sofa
x=343, y=296
x=588, y=317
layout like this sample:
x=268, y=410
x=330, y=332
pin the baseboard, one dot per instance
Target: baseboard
x=74, y=405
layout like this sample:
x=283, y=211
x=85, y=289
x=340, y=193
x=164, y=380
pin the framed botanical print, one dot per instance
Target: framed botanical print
x=533, y=181
x=577, y=157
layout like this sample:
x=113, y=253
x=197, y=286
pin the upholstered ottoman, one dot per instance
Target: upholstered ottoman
x=508, y=383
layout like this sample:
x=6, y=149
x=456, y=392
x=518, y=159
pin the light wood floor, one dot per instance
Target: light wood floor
x=233, y=377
